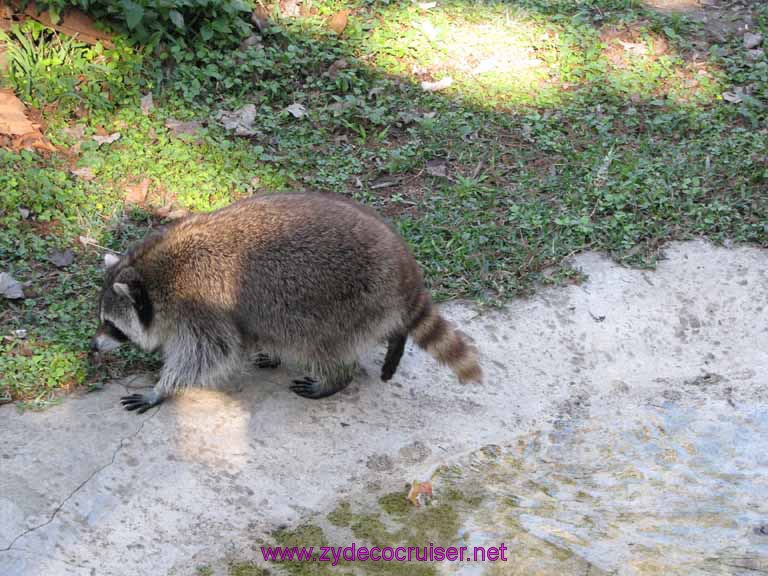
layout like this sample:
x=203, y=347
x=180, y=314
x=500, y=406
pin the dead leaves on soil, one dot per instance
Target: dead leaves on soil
x=17, y=131
x=71, y=22
x=295, y=9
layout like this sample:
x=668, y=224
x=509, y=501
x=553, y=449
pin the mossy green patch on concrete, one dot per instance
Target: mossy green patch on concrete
x=394, y=504
x=246, y=569
x=394, y=522
x=305, y=535
x=341, y=515
x=369, y=528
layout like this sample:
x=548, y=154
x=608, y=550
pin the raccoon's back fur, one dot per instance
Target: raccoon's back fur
x=313, y=278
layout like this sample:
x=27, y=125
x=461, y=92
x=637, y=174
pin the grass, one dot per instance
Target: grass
x=567, y=126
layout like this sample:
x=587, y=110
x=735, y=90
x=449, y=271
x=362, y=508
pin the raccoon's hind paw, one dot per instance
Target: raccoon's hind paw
x=308, y=388
x=141, y=402
x=262, y=360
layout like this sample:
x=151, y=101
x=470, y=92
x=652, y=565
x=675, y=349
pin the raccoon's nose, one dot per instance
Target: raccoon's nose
x=94, y=345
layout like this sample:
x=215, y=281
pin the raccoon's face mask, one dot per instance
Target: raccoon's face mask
x=125, y=310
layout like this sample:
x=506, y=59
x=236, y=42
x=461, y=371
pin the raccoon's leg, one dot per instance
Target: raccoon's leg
x=199, y=364
x=326, y=380
x=395, y=349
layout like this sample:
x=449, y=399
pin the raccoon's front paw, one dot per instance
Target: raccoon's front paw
x=262, y=360
x=141, y=402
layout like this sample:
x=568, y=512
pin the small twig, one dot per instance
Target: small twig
x=90, y=242
x=477, y=169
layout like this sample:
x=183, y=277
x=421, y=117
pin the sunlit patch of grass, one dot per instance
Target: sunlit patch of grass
x=501, y=56
x=491, y=55
x=201, y=171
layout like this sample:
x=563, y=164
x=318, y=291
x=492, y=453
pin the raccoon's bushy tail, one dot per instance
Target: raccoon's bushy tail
x=440, y=339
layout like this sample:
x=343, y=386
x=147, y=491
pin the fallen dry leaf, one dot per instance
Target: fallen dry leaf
x=420, y=493
x=333, y=69
x=171, y=212
x=260, y=18
x=100, y=140
x=83, y=173
x=32, y=141
x=183, y=126
x=296, y=110
x=338, y=22
x=137, y=193
x=289, y=8
x=72, y=22
x=14, y=123
x=13, y=118
x=437, y=86
x=147, y=103
x=732, y=97
x=437, y=168
x=75, y=132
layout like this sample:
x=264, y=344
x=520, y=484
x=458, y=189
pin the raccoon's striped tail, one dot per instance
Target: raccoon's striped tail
x=440, y=339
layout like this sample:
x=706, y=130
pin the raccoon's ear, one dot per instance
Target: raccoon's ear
x=123, y=289
x=110, y=260
x=127, y=283
x=130, y=284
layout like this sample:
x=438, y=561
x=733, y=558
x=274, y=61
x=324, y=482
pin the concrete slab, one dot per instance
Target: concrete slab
x=87, y=488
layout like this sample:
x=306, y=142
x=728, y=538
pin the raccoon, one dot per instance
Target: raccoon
x=309, y=278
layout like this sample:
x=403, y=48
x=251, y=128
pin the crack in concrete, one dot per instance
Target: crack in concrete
x=82, y=484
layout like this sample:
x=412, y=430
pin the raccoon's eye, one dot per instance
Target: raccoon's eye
x=115, y=332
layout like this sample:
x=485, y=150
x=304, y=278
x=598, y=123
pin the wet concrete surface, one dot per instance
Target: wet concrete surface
x=626, y=419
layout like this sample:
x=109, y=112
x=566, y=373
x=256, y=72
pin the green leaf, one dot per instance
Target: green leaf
x=54, y=14
x=221, y=25
x=176, y=18
x=133, y=13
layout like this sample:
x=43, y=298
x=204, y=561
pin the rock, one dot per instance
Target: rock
x=61, y=259
x=252, y=40
x=239, y=121
x=752, y=40
x=10, y=288
x=756, y=54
